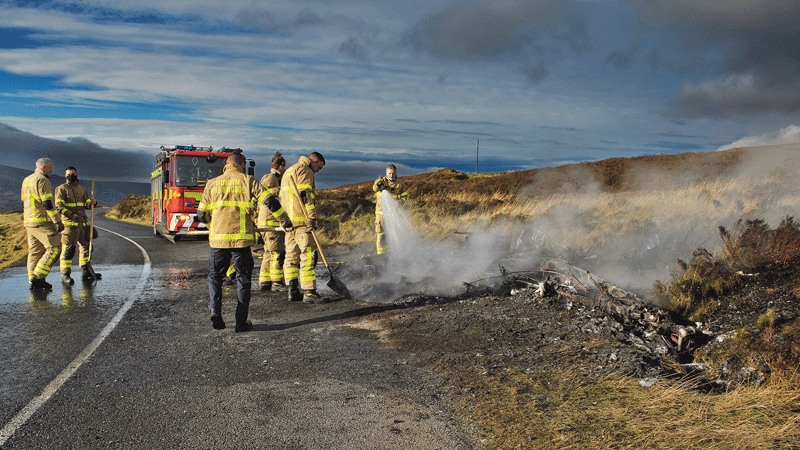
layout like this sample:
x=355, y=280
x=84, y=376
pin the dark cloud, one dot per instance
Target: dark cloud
x=535, y=73
x=472, y=30
x=745, y=55
x=269, y=23
x=22, y=149
x=621, y=58
x=353, y=49
x=737, y=95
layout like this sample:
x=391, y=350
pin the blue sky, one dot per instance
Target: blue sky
x=103, y=84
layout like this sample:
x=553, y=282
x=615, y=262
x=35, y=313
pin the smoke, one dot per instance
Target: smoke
x=787, y=135
x=666, y=210
x=436, y=267
x=632, y=236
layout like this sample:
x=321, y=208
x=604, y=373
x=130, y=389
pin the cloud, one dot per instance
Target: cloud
x=470, y=30
x=23, y=149
x=741, y=54
x=269, y=23
x=737, y=95
x=787, y=135
x=353, y=49
x=535, y=73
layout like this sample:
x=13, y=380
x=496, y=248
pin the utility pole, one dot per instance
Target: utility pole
x=477, y=146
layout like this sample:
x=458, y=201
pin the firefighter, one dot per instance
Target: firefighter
x=227, y=209
x=42, y=224
x=72, y=201
x=398, y=191
x=271, y=274
x=301, y=248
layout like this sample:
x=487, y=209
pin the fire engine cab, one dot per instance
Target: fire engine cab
x=177, y=185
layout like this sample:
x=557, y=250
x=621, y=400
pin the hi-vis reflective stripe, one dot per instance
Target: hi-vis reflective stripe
x=36, y=197
x=73, y=205
x=291, y=273
x=225, y=203
x=231, y=237
x=243, y=234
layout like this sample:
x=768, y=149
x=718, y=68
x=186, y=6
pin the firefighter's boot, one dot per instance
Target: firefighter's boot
x=40, y=283
x=265, y=285
x=66, y=279
x=294, y=291
x=311, y=296
x=86, y=274
x=278, y=286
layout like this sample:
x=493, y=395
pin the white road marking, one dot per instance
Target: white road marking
x=25, y=413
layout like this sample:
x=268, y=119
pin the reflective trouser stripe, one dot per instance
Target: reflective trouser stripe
x=271, y=267
x=300, y=259
x=380, y=240
x=274, y=257
x=43, y=250
x=308, y=277
x=78, y=235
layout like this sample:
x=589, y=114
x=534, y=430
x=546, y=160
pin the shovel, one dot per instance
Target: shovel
x=335, y=284
x=91, y=234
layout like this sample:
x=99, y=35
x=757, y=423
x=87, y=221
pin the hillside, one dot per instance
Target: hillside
x=106, y=192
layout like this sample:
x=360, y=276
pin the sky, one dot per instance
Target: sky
x=467, y=84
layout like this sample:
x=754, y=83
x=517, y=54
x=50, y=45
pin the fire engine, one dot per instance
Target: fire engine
x=177, y=185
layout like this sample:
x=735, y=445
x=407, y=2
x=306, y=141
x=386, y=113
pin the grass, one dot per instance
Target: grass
x=566, y=410
x=13, y=239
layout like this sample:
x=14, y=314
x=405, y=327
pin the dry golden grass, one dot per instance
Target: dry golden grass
x=566, y=410
x=13, y=239
x=133, y=209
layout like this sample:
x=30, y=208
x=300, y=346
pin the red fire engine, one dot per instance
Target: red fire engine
x=177, y=185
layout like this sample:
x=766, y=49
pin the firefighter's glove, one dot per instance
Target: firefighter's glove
x=59, y=227
x=381, y=186
x=312, y=223
x=203, y=217
x=260, y=240
x=73, y=216
x=94, y=233
x=272, y=203
x=286, y=224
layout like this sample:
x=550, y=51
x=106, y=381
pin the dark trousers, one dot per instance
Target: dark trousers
x=218, y=263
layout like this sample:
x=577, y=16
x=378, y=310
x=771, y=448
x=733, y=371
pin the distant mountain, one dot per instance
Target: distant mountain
x=108, y=193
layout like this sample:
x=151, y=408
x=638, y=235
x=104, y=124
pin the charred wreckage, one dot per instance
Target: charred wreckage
x=660, y=342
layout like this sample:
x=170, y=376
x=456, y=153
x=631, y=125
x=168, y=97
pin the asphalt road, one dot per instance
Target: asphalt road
x=306, y=377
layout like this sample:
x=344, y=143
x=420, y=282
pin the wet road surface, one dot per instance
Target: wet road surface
x=306, y=377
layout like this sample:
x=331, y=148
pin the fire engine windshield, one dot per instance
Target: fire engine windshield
x=193, y=171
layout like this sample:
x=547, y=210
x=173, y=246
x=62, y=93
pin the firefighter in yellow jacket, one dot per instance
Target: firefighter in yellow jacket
x=42, y=224
x=397, y=189
x=227, y=208
x=301, y=248
x=72, y=201
x=271, y=274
